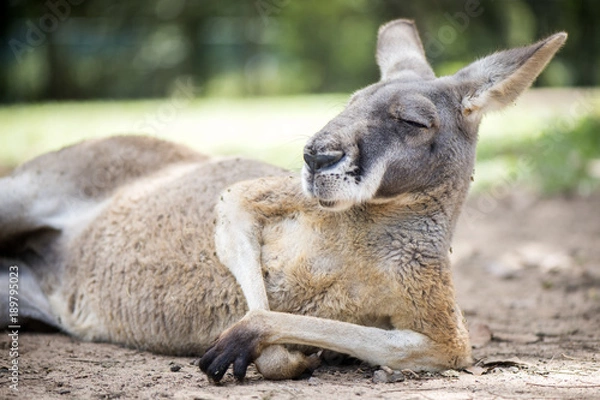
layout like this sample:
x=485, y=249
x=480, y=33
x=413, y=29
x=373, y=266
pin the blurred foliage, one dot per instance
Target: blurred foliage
x=564, y=159
x=569, y=158
x=81, y=49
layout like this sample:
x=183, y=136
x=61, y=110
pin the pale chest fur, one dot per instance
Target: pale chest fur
x=343, y=275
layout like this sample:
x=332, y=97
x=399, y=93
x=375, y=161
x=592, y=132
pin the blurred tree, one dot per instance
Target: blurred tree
x=76, y=49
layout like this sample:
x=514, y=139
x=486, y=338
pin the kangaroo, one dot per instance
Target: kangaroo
x=146, y=243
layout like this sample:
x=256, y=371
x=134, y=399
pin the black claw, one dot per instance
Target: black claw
x=207, y=359
x=240, y=366
x=218, y=374
x=219, y=366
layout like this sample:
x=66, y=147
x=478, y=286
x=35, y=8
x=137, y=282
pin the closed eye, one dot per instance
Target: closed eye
x=414, y=124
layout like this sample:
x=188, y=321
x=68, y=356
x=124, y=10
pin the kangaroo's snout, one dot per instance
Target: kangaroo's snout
x=317, y=162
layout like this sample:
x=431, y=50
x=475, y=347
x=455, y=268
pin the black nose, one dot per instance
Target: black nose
x=316, y=162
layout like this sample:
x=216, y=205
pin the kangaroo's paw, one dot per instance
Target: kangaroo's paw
x=238, y=345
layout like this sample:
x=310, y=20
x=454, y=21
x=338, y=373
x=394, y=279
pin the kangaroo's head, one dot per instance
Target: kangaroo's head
x=411, y=132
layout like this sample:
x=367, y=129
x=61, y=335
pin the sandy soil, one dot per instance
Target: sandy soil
x=527, y=272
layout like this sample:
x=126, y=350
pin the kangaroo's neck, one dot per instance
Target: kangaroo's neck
x=425, y=217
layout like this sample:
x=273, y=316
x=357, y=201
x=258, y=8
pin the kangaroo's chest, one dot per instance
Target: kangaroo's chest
x=308, y=270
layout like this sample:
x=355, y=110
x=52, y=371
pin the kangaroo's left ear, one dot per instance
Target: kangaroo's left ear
x=498, y=79
x=400, y=53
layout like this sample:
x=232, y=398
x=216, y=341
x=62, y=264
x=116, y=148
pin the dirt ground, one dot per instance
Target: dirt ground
x=527, y=272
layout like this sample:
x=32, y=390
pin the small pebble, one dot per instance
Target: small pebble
x=380, y=376
x=388, y=375
x=312, y=381
x=397, y=376
x=175, y=367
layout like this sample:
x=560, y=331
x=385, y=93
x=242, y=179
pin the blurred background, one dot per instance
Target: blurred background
x=257, y=77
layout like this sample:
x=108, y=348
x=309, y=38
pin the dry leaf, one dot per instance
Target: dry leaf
x=476, y=370
x=484, y=365
x=493, y=362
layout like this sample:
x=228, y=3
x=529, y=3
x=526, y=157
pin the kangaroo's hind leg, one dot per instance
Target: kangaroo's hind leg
x=30, y=229
x=37, y=198
x=38, y=212
x=31, y=220
x=36, y=205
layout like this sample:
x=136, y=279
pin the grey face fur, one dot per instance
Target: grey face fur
x=411, y=132
x=395, y=137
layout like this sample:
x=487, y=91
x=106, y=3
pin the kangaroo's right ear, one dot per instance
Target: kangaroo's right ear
x=497, y=80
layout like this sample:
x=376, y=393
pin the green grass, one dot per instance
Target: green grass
x=270, y=129
x=552, y=144
x=565, y=158
x=275, y=130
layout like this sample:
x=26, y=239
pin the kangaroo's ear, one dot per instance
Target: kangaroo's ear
x=400, y=53
x=498, y=79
